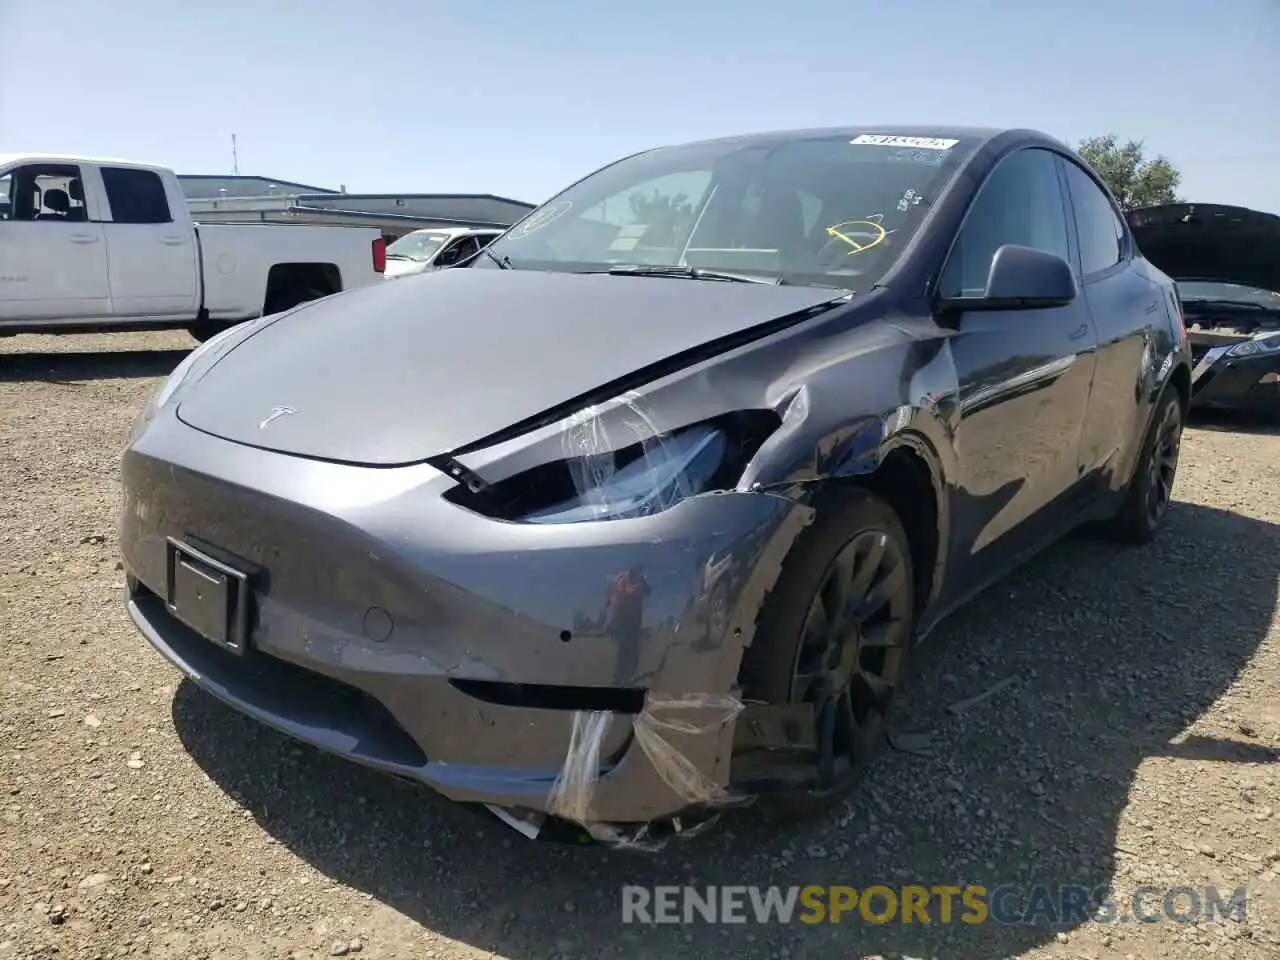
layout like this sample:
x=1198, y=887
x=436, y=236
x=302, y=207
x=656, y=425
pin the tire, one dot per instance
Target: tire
x=1146, y=501
x=204, y=330
x=857, y=534
x=278, y=301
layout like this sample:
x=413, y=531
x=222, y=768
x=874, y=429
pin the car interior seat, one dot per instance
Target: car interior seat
x=56, y=204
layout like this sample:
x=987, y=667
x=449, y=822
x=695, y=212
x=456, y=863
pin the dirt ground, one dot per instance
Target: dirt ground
x=1130, y=737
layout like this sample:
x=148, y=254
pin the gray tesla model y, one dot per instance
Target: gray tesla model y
x=638, y=512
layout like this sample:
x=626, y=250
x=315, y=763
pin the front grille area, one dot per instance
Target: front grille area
x=305, y=700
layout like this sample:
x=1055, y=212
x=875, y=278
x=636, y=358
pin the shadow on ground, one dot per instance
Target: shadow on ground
x=1114, y=652
x=1224, y=421
x=75, y=368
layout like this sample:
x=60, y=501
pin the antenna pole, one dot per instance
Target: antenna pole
x=235, y=160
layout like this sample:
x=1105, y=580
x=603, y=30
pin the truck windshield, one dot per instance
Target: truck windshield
x=420, y=245
x=829, y=210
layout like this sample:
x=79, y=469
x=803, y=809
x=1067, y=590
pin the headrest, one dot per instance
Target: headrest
x=57, y=201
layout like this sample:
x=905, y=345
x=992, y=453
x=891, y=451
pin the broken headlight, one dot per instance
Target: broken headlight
x=666, y=471
x=626, y=469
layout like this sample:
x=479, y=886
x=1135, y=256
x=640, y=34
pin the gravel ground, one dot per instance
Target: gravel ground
x=1130, y=737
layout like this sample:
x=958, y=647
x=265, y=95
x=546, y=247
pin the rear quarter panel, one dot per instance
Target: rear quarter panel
x=237, y=259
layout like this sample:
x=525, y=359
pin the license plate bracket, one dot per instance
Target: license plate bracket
x=209, y=596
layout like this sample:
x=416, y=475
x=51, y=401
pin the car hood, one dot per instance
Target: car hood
x=404, y=268
x=1203, y=241
x=399, y=373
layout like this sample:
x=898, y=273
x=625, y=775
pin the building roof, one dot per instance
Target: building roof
x=202, y=186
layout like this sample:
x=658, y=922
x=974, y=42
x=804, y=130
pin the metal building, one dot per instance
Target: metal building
x=214, y=198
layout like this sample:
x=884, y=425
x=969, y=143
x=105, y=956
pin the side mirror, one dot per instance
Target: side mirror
x=1023, y=278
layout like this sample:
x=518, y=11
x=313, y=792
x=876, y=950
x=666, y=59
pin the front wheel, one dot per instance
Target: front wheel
x=1151, y=489
x=834, y=633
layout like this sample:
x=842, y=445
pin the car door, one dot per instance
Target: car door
x=1024, y=377
x=53, y=258
x=1129, y=312
x=153, y=255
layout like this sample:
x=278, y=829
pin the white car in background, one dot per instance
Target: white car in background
x=436, y=247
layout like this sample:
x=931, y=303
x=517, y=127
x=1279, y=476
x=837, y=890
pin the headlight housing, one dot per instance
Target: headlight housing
x=1263, y=343
x=599, y=480
x=667, y=471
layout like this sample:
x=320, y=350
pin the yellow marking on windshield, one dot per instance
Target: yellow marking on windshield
x=841, y=231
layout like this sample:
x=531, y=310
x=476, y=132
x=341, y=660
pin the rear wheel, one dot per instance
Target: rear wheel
x=835, y=633
x=286, y=298
x=203, y=330
x=1151, y=489
x=278, y=300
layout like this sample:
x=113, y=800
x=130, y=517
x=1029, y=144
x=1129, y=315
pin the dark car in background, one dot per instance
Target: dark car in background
x=640, y=512
x=1226, y=262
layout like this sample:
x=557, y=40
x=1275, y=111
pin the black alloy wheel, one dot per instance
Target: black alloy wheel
x=1164, y=464
x=833, y=634
x=851, y=646
x=1146, y=502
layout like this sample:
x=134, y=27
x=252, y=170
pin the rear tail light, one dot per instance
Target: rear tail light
x=380, y=255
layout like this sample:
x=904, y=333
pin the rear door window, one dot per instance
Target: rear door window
x=136, y=196
x=1098, y=225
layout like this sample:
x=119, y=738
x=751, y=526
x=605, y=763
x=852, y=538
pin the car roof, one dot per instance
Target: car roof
x=456, y=231
x=7, y=158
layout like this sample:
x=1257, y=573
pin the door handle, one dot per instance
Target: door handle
x=1080, y=331
x=83, y=238
x=173, y=241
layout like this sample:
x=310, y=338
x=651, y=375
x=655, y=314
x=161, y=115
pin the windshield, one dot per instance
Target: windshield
x=829, y=210
x=420, y=245
x=1241, y=293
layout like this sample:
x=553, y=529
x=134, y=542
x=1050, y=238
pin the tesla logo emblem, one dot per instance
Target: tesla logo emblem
x=276, y=414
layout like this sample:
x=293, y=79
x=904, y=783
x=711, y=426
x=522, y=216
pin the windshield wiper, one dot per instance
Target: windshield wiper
x=692, y=273
x=503, y=262
x=398, y=256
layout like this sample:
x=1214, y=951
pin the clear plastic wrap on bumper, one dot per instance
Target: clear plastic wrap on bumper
x=657, y=729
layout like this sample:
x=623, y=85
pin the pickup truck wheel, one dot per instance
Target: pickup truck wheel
x=278, y=301
x=203, y=330
x=835, y=632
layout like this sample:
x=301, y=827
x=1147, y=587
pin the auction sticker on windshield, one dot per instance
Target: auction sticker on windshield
x=919, y=143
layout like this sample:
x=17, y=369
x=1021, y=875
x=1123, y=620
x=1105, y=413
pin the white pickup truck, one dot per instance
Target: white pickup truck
x=104, y=245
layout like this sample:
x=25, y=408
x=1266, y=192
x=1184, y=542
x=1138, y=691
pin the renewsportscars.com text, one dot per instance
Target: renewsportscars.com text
x=937, y=904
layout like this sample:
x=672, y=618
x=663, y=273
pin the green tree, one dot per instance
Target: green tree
x=1135, y=180
x=668, y=217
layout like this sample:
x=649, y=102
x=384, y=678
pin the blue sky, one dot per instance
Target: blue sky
x=522, y=98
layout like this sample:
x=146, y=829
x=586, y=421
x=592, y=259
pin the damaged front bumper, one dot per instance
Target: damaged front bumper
x=1225, y=381
x=475, y=656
